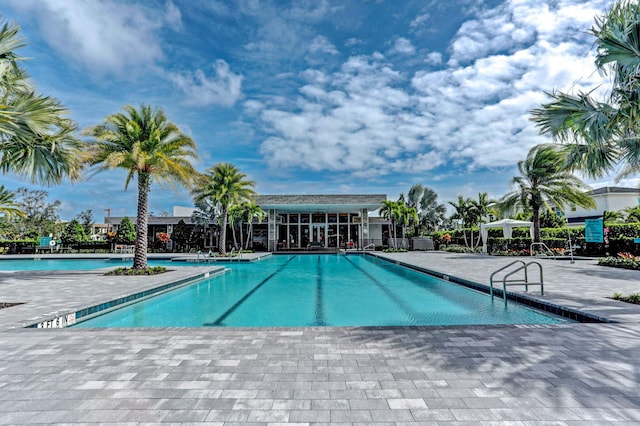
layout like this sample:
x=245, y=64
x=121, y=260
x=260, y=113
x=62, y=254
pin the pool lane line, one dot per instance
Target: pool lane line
x=319, y=311
x=221, y=318
x=399, y=303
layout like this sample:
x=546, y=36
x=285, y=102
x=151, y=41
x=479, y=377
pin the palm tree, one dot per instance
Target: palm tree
x=602, y=135
x=8, y=207
x=149, y=147
x=390, y=211
x=543, y=181
x=36, y=139
x=236, y=215
x=406, y=216
x=463, y=211
x=205, y=215
x=481, y=209
x=613, y=217
x=225, y=185
x=251, y=212
x=632, y=214
x=430, y=212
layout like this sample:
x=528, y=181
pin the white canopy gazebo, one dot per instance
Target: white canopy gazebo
x=507, y=226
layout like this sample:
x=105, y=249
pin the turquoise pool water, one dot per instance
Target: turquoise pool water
x=319, y=290
x=43, y=264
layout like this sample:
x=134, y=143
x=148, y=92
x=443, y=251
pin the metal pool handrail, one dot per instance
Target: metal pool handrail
x=525, y=282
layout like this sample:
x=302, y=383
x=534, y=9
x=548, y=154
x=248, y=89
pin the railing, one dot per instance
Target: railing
x=544, y=246
x=369, y=247
x=524, y=281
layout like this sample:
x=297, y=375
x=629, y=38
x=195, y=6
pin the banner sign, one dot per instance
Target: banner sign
x=594, y=230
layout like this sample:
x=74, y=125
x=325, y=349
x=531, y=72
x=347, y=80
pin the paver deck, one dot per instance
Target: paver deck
x=569, y=374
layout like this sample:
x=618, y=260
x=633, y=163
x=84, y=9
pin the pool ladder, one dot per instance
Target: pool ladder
x=521, y=281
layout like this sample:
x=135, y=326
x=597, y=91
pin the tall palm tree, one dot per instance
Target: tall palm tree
x=430, y=212
x=602, y=135
x=36, y=139
x=149, y=148
x=543, y=181
x=8, y=207
x=225, y=185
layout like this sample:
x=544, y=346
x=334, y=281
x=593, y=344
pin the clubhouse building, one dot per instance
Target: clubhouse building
x=292, y=222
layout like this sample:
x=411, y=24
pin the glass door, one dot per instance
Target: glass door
x=318, y=234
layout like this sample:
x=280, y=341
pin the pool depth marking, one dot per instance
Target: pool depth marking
x=218, y=321
x=319, y=311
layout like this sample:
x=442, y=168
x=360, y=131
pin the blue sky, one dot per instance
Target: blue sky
x=316, y=96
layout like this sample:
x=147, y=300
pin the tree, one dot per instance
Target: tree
x=430, y=213
x=40, y=216
x=613, y=216
x=149, y=147
x=251, y=212
x=463, y=212
x=406, y=216
x=85, y=218
x=603, y=135
x=181, y=234
x=126, y=232
x=205, y=215
x=544, y=181
x=549, y=219
x=223, y=185
x=8, y=206
x=73, y=233
x=36, y=139
x=390, y=211
x=632, y=214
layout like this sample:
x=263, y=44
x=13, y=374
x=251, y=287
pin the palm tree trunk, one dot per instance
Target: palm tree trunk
x=249, y=234
x=536, y=225
x=140, y=253
x=222, y=244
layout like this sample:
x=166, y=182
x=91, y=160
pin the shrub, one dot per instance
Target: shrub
x=457, y=249
x=153, y=270
x=619, y=262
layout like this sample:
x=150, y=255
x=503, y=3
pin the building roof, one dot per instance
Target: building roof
x=330, y=203
x=614, y=190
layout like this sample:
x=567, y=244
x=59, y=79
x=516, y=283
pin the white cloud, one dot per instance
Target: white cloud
x=404, y=46
x=323, y=45
x=107, y=37
x=473, y=112
x=223, y=88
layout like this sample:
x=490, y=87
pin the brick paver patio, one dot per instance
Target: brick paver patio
x=569, y=374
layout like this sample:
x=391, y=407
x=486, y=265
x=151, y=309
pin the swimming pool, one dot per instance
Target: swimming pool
x=319, y=290
x=46, y=264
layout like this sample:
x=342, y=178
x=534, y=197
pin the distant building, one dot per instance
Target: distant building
x=294, y=222
x=609, y=198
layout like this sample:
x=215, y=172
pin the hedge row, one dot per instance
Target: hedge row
x=621, y=239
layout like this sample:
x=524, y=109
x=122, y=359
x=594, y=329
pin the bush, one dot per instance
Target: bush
x=394, y=250
x=154, y=270
x=457, y=249
x=619, y=262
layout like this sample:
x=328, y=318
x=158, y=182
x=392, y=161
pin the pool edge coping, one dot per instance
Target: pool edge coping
x=548, y=307
x=63, y=320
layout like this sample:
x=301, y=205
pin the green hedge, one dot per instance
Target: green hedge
x=621, y=236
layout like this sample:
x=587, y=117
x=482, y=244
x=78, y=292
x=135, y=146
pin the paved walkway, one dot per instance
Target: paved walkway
x=570, y=374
